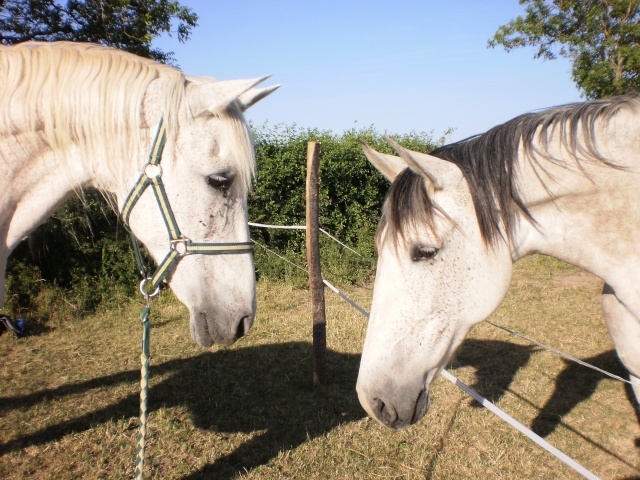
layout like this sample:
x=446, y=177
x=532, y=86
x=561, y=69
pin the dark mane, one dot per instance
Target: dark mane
x=407, y=206
x=488, y=160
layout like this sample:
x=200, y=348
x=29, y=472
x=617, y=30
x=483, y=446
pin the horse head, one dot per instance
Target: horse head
x=436, y=277
x=207, y=168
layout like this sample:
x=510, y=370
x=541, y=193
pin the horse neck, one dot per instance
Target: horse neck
x=39, y=180
x=35, y=184
x=578, y=215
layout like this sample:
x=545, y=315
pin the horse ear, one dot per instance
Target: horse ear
x=213, y=96
x=254, y=95
x=439, y=173
x=388, y=165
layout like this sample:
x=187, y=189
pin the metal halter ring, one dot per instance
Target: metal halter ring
x=180, y=245
x=152, y=170
x=143, y=291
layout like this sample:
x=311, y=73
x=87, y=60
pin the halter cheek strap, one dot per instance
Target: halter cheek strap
x=179, y=245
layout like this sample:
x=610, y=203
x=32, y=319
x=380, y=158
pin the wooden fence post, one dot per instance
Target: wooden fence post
x=313, y=262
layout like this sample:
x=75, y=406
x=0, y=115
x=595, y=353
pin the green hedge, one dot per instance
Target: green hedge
x=351, y=195
x=82, y=256
x=78, y=260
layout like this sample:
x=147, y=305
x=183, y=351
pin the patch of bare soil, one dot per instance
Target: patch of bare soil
x=578, y=280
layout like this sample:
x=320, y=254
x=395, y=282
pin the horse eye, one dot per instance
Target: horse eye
x=219, y=182
x=423, y=253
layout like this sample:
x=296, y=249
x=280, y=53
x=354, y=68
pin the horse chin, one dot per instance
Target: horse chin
x=206, y=328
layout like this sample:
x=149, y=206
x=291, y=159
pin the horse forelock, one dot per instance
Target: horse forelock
x=92, y=97
x=407, y=207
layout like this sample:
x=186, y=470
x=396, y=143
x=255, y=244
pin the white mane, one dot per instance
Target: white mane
x=72, y=94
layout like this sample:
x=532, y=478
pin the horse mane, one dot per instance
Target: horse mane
x=88, y=96
x=488, y=162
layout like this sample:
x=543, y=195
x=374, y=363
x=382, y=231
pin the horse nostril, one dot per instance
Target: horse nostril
x=386, y=413
x=243, y=326
x=422, y=405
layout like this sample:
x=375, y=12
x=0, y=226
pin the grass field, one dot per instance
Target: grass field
x=69, y=395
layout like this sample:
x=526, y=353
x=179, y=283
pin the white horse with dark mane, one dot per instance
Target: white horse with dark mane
x=563, y=182
x=75, y=115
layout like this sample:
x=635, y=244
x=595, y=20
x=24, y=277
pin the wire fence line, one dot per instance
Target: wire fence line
x=516, y=334
x=577, y=467
x=564, y=355
x=326, y=282
x=303, y=227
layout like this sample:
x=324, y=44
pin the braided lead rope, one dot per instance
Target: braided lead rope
x=144, y=393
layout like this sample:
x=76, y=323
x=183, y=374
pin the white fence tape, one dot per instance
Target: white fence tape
x=447, y=375
x=278, y=227
x=521, y=428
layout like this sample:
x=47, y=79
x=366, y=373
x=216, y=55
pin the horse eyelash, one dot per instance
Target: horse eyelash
x=219, y=182
x=421, y=253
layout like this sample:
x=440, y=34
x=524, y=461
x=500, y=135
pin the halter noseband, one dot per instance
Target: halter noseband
x=179, y=245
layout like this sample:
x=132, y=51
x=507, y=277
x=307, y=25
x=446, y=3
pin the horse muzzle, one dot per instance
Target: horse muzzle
x=208, y=328
x=397, y=413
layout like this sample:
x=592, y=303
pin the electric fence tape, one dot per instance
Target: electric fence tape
x=541, y=442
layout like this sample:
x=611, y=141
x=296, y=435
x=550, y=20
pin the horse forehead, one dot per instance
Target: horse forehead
x=212, y=137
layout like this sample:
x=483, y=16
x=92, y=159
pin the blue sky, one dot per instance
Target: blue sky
x=400, y=66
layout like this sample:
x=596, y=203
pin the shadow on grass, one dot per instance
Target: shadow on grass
x=269, y=388
x=496, y=364
x=576, y=384
x=255, y=388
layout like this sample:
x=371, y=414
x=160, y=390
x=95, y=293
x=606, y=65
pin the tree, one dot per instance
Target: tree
x=125, y=24
x=601, y=37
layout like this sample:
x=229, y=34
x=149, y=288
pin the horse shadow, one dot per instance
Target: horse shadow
x=576, y=384
x=497, y=363
x=264, y=388
x=268, y=389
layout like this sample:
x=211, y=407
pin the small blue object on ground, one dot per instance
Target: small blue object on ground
x=19, y=327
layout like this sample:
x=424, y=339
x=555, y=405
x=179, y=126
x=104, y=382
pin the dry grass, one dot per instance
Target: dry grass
x=69, y=399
